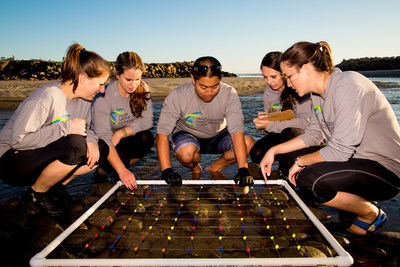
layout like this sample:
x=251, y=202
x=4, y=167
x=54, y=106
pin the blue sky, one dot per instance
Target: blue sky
x=238, y=33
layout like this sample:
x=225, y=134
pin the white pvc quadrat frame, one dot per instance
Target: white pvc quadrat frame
x=343, y=258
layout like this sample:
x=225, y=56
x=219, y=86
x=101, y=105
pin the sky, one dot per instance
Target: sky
x=237, y=33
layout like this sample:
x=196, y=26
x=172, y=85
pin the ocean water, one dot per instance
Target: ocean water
x=148, y=167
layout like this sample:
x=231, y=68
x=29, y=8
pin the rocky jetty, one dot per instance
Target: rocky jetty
x=50, y=70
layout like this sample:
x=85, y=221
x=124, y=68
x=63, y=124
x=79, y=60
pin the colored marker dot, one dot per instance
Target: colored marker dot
x=87, y=245
x=111, y=246
x=247, y=250
x=124, y=227
x=221, y=249
x=265, y=219
x=298, y=247
x=294, y=235
x=277, y=246
x=194, y=227
x=135, y=249
x=172, y=228
x=190, y=250
x=272, y=238
x=220, y=211
x=194, y=219
x=156, y=219
x=220, y=227
x=241, y=219
x=143, y=237
x=169, y=238
x=150, y=227
x=176, y=219
x=245, y=237
x=267, y=227
x=163, y=250
x=191, y=237
x=179, y=213
x=287, y=226
x=220, y=237
x=197, y=212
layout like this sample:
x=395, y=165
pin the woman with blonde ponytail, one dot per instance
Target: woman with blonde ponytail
x=361, y=162
x=122, y=117
x=47, y=142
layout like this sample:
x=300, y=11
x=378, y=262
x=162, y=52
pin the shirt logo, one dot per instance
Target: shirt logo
x=189, y=118
x=277, y=105
x=62, y=118
x=114, y=113
x=317, y=110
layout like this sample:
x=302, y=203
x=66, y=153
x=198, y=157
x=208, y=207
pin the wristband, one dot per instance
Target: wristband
x=297, y=162
x=124, y=131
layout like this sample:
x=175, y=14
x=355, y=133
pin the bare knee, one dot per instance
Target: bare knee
x=187, y=154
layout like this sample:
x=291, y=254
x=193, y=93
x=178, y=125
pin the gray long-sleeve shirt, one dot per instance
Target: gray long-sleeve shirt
x=302, y=110
x=357, y=120
x=42, y=118
x=111, y=112
x=183, y=111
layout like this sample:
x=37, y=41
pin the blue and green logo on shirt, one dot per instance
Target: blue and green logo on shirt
x=61, y=118
x=189, y=118
x=114, y=113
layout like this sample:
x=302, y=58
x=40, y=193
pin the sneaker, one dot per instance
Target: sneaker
x=44, y=201
x=60, y=193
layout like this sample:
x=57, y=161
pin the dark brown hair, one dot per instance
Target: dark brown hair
x=273, y=60
x=78, y=61
x=138, y=99
x=318, y=54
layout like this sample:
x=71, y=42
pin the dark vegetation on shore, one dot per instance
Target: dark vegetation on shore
x=11, y=69
x=370, y=63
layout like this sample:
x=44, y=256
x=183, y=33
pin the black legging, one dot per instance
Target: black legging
x=132, y=147
x=320, y=182
x=259, y=149
x=23, y=167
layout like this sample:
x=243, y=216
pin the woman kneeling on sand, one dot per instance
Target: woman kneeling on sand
x=47, y=141
x=361, y=161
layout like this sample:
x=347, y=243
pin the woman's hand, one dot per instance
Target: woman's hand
x=78, y=126
x=92, y=153
x=116, y=137
x=128, y=178
x=260, y=122
x=293, y=173
x=266, y=163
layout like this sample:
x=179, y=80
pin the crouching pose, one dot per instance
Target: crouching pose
x=47, y=141
x=361, y=162
x=122, y=117
x=204, y=117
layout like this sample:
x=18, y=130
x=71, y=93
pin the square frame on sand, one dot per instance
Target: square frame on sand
x=342, y=258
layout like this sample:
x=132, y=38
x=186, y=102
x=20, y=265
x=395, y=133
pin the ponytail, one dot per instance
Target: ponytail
x=78, y=61
x=318, y=54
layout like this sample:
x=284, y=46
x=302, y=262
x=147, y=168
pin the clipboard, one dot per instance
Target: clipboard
x=280, y=116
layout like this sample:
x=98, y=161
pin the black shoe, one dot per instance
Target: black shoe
x=60, y=193
x=44, y=201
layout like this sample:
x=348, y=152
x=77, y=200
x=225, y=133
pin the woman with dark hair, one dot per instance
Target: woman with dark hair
x=122, y=117
x=47, y=141
x=204, y=117
x=361, y=162
x=278, y=97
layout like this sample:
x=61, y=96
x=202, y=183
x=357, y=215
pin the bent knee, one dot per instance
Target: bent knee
x=75, y=149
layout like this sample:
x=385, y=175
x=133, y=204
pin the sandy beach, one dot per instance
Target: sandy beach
x=13, y=92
